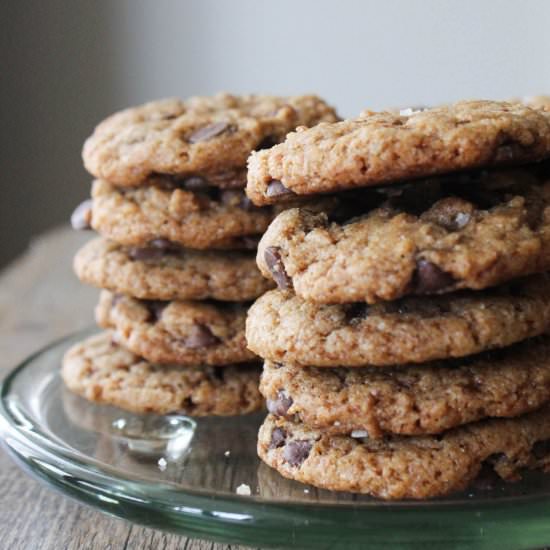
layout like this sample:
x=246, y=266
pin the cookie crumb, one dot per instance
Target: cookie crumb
x=227, y=453
x=244, y=490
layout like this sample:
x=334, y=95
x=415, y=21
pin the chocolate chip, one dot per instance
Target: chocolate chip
x=267, y=143
x=278, y=437
x=208, y=132
x=155, y=308
x=280, y=405
x=144, y=254
x=200, y=337
x=272, y=257
x=428, y=278
x=357, y=311
x=452, y=213
x=81, y=218
x=276, y=188
x=297, y=451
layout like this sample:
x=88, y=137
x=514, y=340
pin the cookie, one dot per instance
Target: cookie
x=137, y=216
x=407, y=467
x=201, y=136
x=472, y=231
x=379, y=148
x=103, y=372
x=179, y=332
x=162, y=272
x=418, y=400
x=286, y=329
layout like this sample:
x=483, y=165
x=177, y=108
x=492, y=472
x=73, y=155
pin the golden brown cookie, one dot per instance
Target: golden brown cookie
x=178, y=332
x=163, y=272
x=202, y=136
x=407, y=467
x=467, y=231
x=425, y=399
x=286, y=329
x=103, y=372
x=379, y=148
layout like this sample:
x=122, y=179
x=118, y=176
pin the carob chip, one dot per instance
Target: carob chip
x=297, y=451
x=208, y=132
x=272, y=257
x=280, y=405
x=81, y=218
x=201, y=337
x=275, y=188
x=428, y=278
x=278, y=437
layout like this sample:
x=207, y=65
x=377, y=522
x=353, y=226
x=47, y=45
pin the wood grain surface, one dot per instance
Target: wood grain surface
x=41, y=300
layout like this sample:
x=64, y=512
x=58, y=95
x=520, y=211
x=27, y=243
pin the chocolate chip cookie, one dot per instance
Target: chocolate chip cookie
x=103, y=372
x=379, y=148
x=407, y=467
x=189, y=218
x=210, y=137
x=472, y=231
x=178, y=332
x=161, y=271
x=426, y=399
x=286, y=329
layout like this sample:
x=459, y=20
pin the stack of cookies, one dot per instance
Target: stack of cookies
x=404, y=347
x=175, y=258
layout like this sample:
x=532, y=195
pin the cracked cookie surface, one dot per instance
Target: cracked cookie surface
x=177, y=332
x=472, y=231
x=103, y=372
x=380, y=148
x=200, y=136
x=286, y=329
x=407, y=467
x=162, y=272
x=425, y=399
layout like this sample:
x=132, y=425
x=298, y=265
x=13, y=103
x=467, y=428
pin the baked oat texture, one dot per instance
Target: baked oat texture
x=286, y=329
x=429, y=237
x=426, y=399
x=201, y=135
x=406, y=467
x=177, y=332
x=156, y=274
x=103, y=372
x=385, y=147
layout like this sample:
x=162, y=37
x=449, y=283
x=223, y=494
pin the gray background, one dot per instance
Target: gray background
x=67, y=64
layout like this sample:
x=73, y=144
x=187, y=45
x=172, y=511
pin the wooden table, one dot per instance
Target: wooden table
x=40, y=300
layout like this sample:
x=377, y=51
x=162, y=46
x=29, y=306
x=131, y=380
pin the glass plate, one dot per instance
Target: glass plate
x=182, y=475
